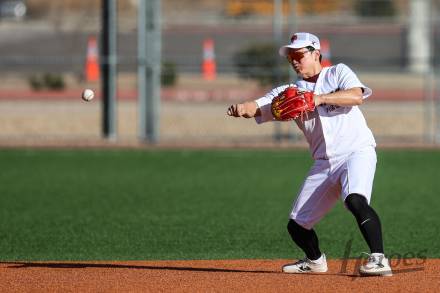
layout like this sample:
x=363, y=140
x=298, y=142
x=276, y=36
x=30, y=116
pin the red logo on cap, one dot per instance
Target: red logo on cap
x=293, y=38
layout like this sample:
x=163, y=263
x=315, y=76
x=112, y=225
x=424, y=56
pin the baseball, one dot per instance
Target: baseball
x=88, y=95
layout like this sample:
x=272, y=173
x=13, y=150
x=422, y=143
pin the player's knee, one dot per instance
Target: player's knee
x=358, y=206
x=294, y=228
x=356, y=202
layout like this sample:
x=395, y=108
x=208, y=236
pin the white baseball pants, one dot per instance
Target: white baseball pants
x=327, y=182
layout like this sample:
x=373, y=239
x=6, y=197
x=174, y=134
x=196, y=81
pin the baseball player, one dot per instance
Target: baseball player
x=343, y=149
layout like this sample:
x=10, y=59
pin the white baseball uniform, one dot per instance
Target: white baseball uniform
x=340, y=142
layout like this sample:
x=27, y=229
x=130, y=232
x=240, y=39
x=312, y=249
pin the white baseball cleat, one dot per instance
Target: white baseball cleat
x=307, y=266
x=377, y=265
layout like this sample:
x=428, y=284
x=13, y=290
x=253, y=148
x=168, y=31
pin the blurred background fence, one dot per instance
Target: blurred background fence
x=214, y=53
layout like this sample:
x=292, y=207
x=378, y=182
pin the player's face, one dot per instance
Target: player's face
x=301, y=60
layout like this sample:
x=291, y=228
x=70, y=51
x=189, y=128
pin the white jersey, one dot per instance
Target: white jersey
x=331, y=131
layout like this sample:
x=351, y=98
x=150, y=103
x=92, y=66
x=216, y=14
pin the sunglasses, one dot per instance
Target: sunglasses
x=298, y=55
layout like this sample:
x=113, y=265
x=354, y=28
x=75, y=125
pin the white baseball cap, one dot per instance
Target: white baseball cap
x=300, y=40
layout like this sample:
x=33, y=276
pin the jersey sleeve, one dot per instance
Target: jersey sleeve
x=347, y=79
x=264, y=103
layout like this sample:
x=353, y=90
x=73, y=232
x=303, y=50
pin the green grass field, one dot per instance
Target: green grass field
x=138, y=205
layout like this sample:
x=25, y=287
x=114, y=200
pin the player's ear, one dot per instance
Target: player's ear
x=317, y=55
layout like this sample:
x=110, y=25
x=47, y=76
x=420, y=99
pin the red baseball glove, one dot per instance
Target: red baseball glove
x=292, y=103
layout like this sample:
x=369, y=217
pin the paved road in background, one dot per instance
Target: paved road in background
x=22, y=49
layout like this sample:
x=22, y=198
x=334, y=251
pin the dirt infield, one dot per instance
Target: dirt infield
x=410, y=275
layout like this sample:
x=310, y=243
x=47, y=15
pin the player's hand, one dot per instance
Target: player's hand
x=318, y=100
x=237, y=110
x=246, y=110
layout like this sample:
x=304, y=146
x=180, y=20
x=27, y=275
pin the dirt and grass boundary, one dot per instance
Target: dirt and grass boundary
x=410, y=275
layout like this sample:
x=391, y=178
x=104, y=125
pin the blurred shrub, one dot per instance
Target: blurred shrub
x=375, y=8
x=243, y=8
x=54, y=81
x=262, y=63
x=48, y=81
x=168, y=74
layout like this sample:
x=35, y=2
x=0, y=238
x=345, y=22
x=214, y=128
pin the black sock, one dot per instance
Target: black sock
x=368, y=221
x=307, y=240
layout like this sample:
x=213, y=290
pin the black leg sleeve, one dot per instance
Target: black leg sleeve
x=307, y=240
x=368, y=221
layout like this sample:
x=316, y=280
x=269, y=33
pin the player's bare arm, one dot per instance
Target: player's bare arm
x=247, y=109
x=350, y=97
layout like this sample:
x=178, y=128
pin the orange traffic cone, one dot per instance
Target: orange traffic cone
x=91, y=70
x=209, y=67
x=325, y=52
